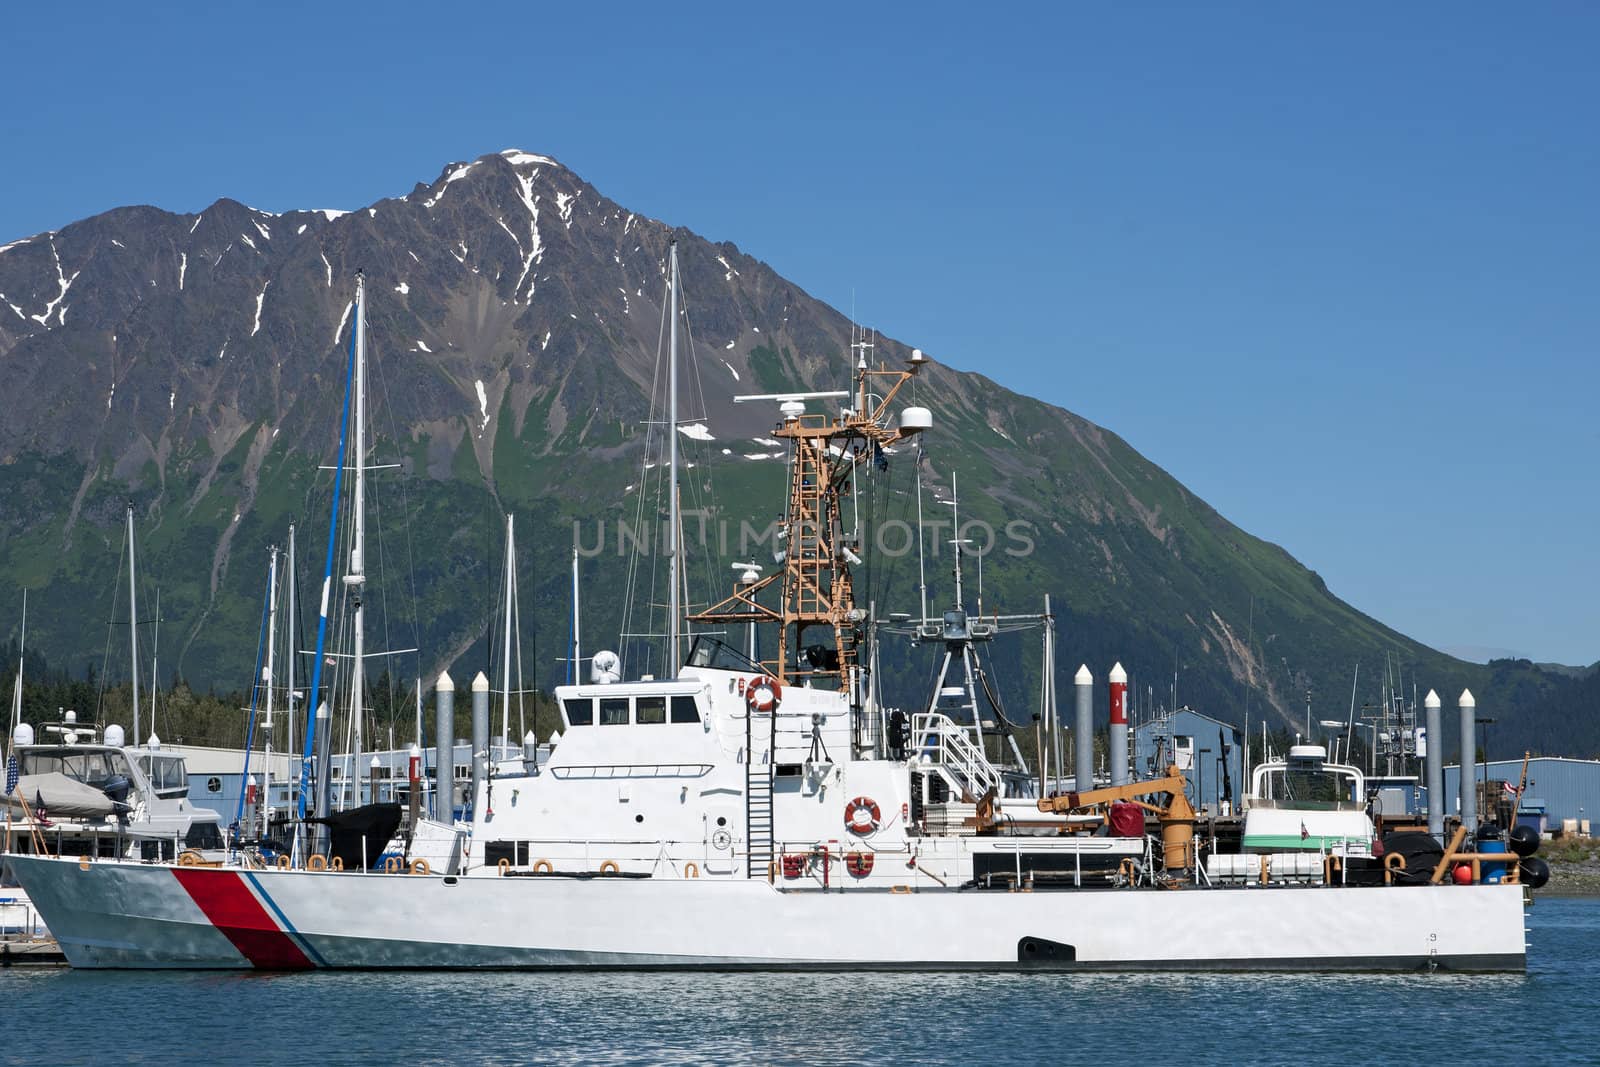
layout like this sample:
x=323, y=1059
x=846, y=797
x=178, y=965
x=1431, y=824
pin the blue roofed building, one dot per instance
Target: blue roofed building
x=1202, y=747
x=1559, y=792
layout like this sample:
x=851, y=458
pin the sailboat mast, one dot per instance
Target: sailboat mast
x=291, y=638
x=266, y=680
x=573, y=668
x=674, y=659
x=505, y=660
x=357, y=576
x=133, y=626
x=22, y=653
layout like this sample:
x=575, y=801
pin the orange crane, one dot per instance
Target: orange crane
x=1173, y=811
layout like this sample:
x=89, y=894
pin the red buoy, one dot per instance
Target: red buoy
x=1462, y=874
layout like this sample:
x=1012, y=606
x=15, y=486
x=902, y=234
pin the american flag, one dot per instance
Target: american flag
x=1512, y=789
x=13, y=772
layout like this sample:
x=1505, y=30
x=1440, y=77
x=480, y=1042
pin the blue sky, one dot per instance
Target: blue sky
x=1335, y=268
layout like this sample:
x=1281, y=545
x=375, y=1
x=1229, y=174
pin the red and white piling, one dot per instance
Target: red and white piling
x=1119, y=725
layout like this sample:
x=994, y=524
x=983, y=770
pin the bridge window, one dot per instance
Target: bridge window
x=614, y=711
x=650, y=711
x=683, y=710
x=580, y=711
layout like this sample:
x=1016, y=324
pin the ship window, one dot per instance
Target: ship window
x=166, y=772
x=203, y=835
x=580, y=711
x=614, y=711
x=683, y=710
x=495, y=851
x=650, y=711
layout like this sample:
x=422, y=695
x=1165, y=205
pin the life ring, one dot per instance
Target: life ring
x=317, y=863
x=763, y=695
x=336, y=864
x=190, y=858
x=691, y=871
x=283, y=861
x=609, y=867
x=859, y=864
x=420, y=866
x=862, y=817
x=541, y=867
x=504, y=867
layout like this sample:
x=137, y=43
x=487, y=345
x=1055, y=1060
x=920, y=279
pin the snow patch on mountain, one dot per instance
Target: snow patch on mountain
x=518, y=158
x=483, y=405
x=65, y=283
x=454, y=176
x=260, y=299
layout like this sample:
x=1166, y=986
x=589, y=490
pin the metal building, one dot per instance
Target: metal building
x=1202, y=747
x=1558, y=788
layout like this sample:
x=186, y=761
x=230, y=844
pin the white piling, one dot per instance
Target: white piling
x=1435, y=759
x=480, y=737
x=1083, y=731
x=444, y=729
x=1469, y=757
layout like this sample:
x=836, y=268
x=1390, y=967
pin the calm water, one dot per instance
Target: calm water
x=62, y=1017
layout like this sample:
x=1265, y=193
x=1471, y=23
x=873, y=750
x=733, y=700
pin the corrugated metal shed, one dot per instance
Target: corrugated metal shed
x=1568, y=788
x=1198, y=741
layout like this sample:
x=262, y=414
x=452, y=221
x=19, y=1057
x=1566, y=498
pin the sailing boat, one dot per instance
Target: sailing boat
x=734, y=814
x=356, y=836
x=82, y=790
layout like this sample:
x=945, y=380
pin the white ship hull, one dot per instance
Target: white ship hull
x=157, y=916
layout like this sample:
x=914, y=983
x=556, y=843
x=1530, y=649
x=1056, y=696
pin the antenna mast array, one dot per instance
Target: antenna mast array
x=817, y=553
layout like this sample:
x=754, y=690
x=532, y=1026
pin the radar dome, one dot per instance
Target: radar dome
x=606, y=668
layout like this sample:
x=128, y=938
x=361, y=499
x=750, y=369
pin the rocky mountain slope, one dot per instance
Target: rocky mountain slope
x=194, y=364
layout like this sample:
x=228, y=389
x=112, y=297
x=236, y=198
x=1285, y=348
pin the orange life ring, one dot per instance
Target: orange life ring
x=763, y=694
x=859, y=864
x=862, y=817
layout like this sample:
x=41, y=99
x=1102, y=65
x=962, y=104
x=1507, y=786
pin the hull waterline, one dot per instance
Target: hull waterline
x=154, y=916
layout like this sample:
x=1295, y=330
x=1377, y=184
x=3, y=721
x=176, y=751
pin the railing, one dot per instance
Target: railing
x=950, y=745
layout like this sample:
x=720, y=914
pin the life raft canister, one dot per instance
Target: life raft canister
x=793, y=865
x=763, y=695
x=862, y=817
x=859, y=864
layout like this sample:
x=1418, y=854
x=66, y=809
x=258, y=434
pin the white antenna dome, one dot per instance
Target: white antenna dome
x=71, y=717
x=791, y=410
x=606, y=668
x=114, y=736
x=22, y=735
x=915, y=420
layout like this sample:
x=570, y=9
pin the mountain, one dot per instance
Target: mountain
x=194, y=365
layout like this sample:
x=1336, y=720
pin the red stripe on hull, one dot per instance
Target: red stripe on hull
x=233, y=909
